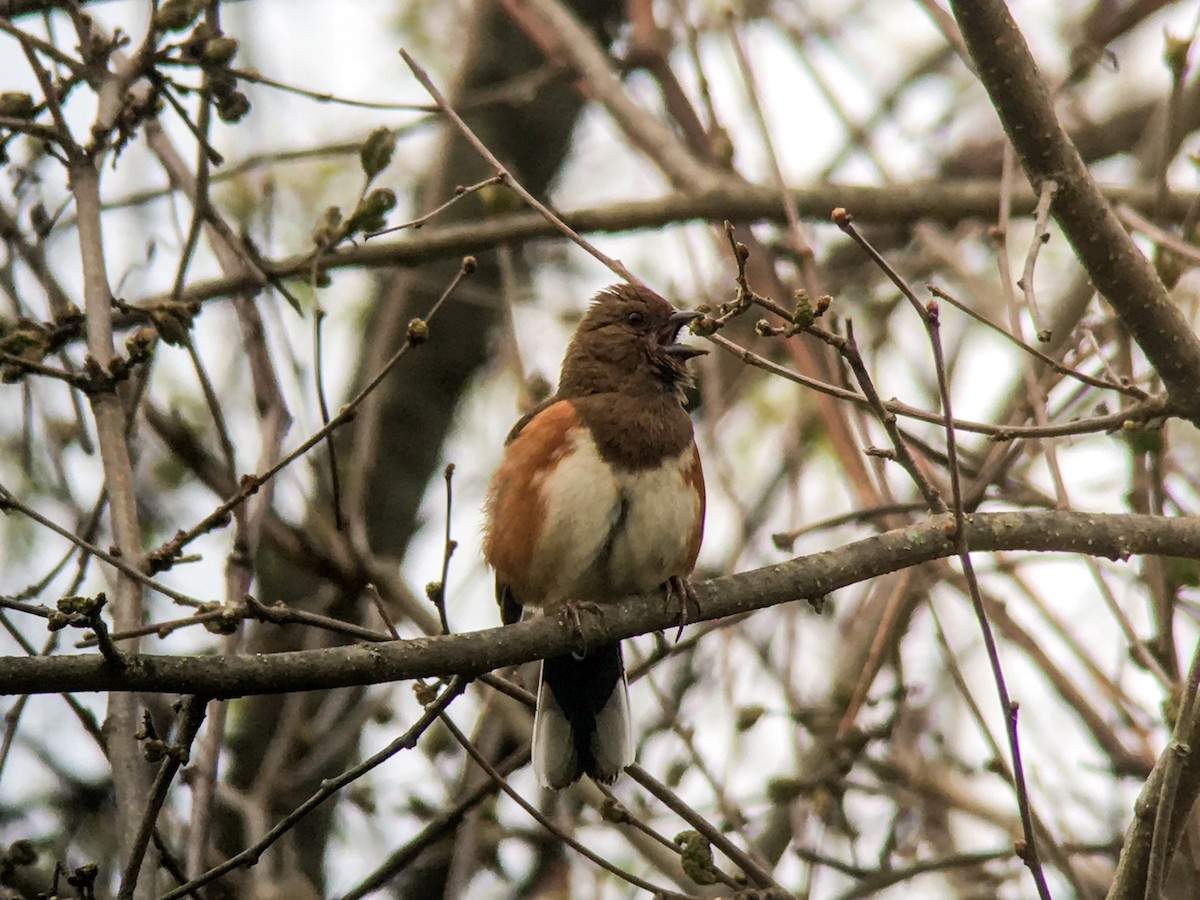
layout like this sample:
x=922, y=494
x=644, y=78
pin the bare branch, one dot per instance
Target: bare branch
x=1119, y=269
x=1112, y=536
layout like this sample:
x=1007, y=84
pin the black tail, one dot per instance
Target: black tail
x=582, y=725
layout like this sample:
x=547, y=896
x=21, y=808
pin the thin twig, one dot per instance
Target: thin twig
x=849, y=350
x=1041, y=216
x=191, y=716
x=256, y=77
x=74, y=379
x=435, y=829
x=754, y=870
x=1001, y=767
x=335, y=481
x=376, y=599
x=328, y=788
x=542, y=820
x=505, y=177
x=8, y=501
x=1035, y=396
x=929, y=316
x=1135, y=221
x=449, y=545
x=213, y=402
x=874, y=882
x=1153, y=407
x=420, y=221
x=799, y=244
x=616, y=811
x=785, y=540
x=1105, y=384
x=251, y=483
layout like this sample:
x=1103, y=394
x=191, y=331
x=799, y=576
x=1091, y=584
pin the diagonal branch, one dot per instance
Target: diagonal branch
x=1115, y=265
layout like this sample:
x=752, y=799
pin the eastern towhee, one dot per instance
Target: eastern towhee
x=599, y=495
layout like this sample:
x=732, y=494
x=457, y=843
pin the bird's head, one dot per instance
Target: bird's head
x=627, y=341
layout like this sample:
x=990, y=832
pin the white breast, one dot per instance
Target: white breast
x=610, y=533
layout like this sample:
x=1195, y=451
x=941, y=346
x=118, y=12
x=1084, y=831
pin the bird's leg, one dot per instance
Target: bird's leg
x=568, y=614
x=678, y=586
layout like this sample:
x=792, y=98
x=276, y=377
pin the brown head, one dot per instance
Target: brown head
x=627, y=343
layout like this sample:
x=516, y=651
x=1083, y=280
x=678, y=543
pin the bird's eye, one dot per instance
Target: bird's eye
x=635, y=318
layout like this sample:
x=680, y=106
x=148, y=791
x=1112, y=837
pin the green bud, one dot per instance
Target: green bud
x=1142, y=438
x=376, y=151
x=16, y=105
x=804, y=314
x=233, y=108
x=218, y=51
x=172, y=324
x=176, y=15
x=226, y=623
x=425, y=693
x=499, y=199
x=139, y=344
x=371, y=212
x=784, y=790
x=612, y=811
x=418, y=333
x=222, y=84
x=748, y=716
x=328, y=228
x=1175, y=54
x=26, y=342
x=696, y=857
x=80, y=604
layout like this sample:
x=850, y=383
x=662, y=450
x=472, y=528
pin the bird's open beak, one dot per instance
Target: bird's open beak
x=674, y=322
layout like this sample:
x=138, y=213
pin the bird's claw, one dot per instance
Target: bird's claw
x=568, y=615
x=678, y=586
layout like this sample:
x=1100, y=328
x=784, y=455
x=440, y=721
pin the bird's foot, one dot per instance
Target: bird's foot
x=568, y=614
x=689, y=605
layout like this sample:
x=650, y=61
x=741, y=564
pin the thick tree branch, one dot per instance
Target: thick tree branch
x=949, y=202
x=129, y=774
x=1164, y=806
x=1115, y=265
x=1111, y=536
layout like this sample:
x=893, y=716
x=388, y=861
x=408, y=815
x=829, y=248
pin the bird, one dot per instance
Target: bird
x=599, y=494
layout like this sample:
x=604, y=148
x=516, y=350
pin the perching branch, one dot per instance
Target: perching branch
x=808, y=577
